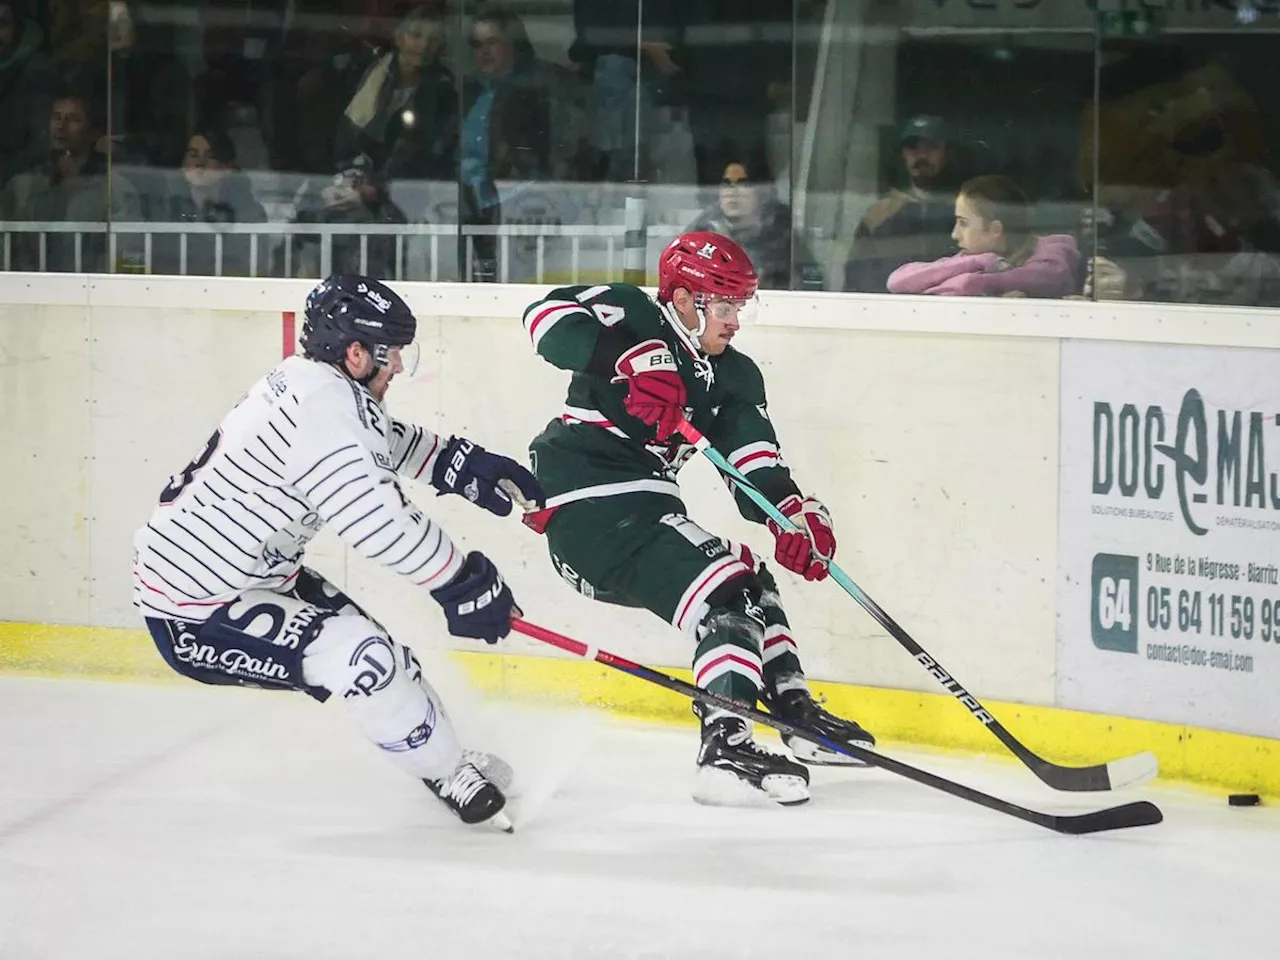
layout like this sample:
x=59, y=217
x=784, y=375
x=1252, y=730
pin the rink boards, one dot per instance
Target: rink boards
x=962, y=447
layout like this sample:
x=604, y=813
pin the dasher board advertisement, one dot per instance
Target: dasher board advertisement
x=1169, y=534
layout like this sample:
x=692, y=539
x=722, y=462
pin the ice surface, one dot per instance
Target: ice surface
x=190, y=822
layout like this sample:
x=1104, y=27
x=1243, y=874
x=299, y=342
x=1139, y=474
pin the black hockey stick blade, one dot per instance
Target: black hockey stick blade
x=1139, y=814
x=1114, y=818
x=1125, y=772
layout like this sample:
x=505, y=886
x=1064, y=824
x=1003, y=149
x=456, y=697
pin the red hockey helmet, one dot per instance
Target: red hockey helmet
x=706, y=263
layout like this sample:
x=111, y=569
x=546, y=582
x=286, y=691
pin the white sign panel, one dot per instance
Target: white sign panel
x=1169, y=534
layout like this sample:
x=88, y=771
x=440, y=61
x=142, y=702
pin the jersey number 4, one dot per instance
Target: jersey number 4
x=607, y=313
x=179, y=481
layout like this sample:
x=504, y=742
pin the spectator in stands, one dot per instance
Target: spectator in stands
x=357, y=195
x=735, y=59
x=604, y=51
x=209, y=189
x=506, y=124
x=747, y=212
x=150, y=92
x=26, y=89
x=999, y=255
x=317, y=68
x=1186, y=206
x=571, y=153
x=71, y=184
x=77, y=33
x=238, y=44
x=911, y=223
x=404, y=115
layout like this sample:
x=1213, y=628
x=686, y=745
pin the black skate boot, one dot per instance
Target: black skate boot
x=734, y=770
x=798, y=706
x=472, y=796
x=496, y=770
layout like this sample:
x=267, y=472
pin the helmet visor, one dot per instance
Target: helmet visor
x=730, y=309
x=408, y=355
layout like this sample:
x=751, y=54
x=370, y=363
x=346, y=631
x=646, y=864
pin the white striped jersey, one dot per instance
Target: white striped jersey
x=305, y=447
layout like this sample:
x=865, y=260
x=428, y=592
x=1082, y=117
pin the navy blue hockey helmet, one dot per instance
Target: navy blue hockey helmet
x=346, y=309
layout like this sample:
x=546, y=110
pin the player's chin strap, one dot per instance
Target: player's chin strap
x=380, y=360
x=691, y=338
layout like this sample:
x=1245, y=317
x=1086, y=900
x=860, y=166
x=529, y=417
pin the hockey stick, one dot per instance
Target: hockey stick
x=1139, y=814
x=1125, y=772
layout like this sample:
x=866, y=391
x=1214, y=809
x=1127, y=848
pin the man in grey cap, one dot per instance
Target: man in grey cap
x=924, y=141
x=913, y=222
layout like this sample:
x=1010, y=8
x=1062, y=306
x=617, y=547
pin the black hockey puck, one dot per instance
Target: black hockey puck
x=1244, y=800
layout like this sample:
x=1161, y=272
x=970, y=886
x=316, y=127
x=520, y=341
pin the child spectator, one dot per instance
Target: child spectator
x=999, y=255
x=911, y=222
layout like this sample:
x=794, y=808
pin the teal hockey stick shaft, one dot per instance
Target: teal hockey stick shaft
x=1127, y=771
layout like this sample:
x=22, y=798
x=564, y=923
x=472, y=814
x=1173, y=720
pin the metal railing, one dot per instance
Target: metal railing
x=278, y=238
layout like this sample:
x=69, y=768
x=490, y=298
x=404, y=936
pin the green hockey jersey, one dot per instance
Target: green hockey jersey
x=594, y=448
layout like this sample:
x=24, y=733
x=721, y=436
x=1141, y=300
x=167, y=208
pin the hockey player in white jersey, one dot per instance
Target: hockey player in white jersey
x=218, y=572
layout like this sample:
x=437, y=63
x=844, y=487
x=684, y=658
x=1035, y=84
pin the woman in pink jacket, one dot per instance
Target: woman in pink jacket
x=999, y=255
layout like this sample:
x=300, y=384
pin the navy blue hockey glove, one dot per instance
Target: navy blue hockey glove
x=468, y=469
x=477, y=602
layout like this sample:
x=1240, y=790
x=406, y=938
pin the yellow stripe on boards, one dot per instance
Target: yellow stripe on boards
x=91, y=653
x=1231, y=761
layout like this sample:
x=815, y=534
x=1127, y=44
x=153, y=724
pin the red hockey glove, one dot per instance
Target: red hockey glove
x=656, y=395
x=809, y=549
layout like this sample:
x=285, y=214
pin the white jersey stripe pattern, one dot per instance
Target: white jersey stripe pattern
x=692, y=606
x=753, y=456
x=778, y=642
x=542, y=316
x=305, y=447
x=727, y=658
x=669, y=487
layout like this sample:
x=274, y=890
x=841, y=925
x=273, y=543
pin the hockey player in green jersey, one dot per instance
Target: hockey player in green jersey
x=617, y=529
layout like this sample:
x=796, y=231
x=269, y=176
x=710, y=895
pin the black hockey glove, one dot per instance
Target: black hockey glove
x=477, y=603
x=470, y=470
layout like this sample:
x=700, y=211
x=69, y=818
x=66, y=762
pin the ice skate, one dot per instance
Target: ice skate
x=798, y=706
x=496, y=770
x=472, y=796
x=733, y=770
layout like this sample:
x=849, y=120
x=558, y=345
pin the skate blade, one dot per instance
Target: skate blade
x=500, y=821
x=813, y=755
x=713, y=787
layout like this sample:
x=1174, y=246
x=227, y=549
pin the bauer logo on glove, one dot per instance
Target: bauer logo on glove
x=458, y=450
x=482, y=600
x=656, y=394
x=477, y=602
x=471, y=471
x=645, y=357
